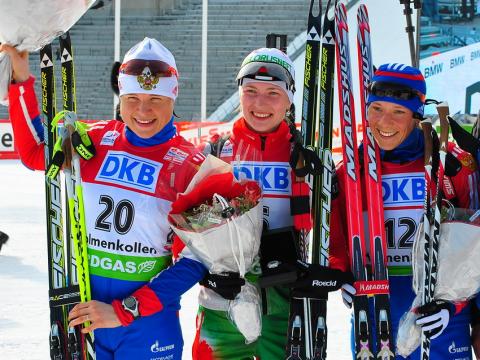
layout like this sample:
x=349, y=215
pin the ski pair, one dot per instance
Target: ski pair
x=307, y=327
x=378, y=287
x=68, y=272
x=431, y=225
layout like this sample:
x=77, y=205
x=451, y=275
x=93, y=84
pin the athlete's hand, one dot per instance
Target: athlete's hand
x=435, y=317
x=316, y=281
x=348, y=293
x=99, y=314
x=228, y=284
x=19, y=59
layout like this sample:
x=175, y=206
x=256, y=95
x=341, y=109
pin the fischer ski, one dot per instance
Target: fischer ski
x=322, y=187
x=300, y=325
x=307, y=321
x=74, y=346
x=384, y=349
x=323, y=184
x=69, y=276
x=362, y=327
x=60, y=294
x=78, y=342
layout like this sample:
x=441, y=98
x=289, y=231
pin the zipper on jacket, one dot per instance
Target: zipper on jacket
x=263, y=140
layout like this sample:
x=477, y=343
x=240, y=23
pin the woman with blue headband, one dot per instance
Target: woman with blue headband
x=395, y=107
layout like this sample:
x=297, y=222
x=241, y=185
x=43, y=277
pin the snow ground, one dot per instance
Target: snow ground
x=24, y=317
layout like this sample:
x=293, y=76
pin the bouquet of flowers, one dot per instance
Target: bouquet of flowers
x=47, y=19
x=459, y=234
x=220, y=220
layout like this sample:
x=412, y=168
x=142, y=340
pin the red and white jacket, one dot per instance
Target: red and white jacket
x=128, y=191
x=403, y=198
x=264, y=158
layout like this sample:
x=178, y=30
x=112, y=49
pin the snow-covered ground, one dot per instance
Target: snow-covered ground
x=24, y=285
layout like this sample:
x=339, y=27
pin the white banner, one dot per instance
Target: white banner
x=6, y=137
x=454, y=76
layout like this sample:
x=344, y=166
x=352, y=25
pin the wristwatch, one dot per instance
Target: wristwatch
x=130, y=304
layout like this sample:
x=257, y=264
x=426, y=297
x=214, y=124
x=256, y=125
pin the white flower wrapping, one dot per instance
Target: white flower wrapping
x=230, y=246
x=458, y=276
x=31, y=24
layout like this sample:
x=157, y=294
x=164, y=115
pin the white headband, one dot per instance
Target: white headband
x=148, y=82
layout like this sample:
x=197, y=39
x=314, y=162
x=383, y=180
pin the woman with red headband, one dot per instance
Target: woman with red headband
x=395, y=107
x=140, y=166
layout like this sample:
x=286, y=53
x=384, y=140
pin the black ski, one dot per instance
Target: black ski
x=74, y=336
x=61, y=293
x=322, y=184
x=79, y=346
x=56, y=260
x=307, y=322
x=300, y=337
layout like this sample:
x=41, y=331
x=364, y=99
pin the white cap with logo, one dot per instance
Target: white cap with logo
x=149, y=68
x=269, y=64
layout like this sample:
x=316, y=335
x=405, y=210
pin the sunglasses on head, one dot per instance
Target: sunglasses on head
x=157, y=68
x=266, y=72
x=395, y=91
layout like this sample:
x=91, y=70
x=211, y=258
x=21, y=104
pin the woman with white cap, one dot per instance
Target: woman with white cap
x=259, y=148
x=396, y=103
x=139, y=168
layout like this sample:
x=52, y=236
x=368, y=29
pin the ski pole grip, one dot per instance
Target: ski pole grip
x=427, y=135
x=443, y=111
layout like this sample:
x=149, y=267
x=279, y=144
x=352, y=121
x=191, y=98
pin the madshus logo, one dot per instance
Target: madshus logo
x=453, y=349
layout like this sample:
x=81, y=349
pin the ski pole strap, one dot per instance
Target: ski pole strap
x=312, y=163
x=81, y=141
x=58, y=158
x=300, y=206
x=371, y=287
